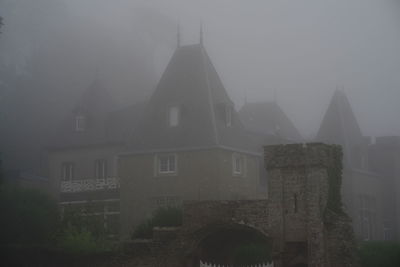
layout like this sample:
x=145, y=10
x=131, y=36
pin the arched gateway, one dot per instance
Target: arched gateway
x=301, y=223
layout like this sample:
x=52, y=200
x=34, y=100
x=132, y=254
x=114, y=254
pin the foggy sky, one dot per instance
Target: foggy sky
x=302, y=50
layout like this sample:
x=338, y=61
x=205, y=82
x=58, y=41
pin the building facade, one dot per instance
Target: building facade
x=189, y=143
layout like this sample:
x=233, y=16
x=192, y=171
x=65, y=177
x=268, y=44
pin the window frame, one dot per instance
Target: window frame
x=80, y=123
x=171, y=118
x=169, y=170
x=71, y=171
x=238, y=158
x=103, y=164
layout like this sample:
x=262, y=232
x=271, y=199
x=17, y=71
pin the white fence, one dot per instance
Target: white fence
x=204, y=264
x=89, y=185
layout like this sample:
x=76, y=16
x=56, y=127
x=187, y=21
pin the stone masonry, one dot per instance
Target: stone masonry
x=302, y=216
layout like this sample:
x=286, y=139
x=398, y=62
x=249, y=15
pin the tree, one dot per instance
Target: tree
x=28, y=216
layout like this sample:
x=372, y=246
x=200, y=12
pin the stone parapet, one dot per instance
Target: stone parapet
x=298, y=155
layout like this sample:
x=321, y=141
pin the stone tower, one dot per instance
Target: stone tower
x=306, y=220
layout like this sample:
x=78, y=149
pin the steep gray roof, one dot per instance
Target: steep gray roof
x=268, y=119
x=191, y=82
x=340, y=126
x=104, y=123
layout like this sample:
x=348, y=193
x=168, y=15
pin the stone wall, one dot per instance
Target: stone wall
x=302, y=216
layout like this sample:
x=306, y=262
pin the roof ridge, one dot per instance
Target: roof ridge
x=210, y=102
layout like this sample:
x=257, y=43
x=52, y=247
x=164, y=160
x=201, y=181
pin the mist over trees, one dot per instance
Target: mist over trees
x=51, y=50
x=49, y=55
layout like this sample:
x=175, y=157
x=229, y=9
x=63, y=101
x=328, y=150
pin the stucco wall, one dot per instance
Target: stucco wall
x=200, y=175
x=359, y=184
x=84, y=161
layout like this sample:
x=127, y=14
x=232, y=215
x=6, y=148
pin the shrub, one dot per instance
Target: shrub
x=143, y=230
x=379, y=253
x=169, y=216
x=252, y=253
x=162, y=217
x=74, y=241
x=82, y=233
x=82, y=222
x=28, y=216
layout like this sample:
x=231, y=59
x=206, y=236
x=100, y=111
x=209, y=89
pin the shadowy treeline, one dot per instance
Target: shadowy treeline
x=49, y=55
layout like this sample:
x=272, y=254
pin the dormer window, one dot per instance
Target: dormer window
x=173, y=116
x=228, y=115
x=80, y=123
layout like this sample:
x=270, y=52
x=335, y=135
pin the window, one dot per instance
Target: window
x=80, y=123
x=367, y=216
x=228, y=116
x=173, y=116
x=237, y=164
x=386, y=231
x=166, y=164
x=100, y=169
x=67, y=171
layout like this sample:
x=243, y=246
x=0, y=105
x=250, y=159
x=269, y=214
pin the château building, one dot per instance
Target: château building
x=188, y=142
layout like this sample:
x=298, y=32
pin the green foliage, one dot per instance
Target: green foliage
x=81, y=241
x=169, y=216
x=82, y=233
x=82, y=221
x=28, y=216
x=252, y=253
x=144, y=230
x=379, y=253
x=334, y=203
x=162, y=217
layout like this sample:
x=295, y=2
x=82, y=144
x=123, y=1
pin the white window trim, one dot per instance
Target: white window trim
x=64, y=167
x=242, y=158
x=157, y=165
x=169, y=116
x=100, y=173
x=80, y=123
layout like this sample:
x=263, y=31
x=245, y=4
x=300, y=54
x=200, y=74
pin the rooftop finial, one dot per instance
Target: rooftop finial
x=178, y=35
x=201, y=32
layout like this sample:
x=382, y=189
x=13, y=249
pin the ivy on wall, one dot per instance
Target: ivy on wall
x=334, y=202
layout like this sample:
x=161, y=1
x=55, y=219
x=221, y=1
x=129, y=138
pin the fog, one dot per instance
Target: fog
x=119, y=143
x=296, y=52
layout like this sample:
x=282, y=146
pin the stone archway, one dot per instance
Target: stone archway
x=230, y=244
x=300, y=216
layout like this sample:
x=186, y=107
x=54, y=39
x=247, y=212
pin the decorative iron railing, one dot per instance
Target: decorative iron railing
x=85, y=185
x=205, y=264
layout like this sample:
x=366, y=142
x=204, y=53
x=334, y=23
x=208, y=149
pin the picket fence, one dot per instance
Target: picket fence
x=205, y=264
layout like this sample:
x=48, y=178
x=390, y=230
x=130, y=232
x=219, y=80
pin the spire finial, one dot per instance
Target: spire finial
x=178, y=35
x=201, y=32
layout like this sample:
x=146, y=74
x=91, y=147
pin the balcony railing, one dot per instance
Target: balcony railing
x=89, y=185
